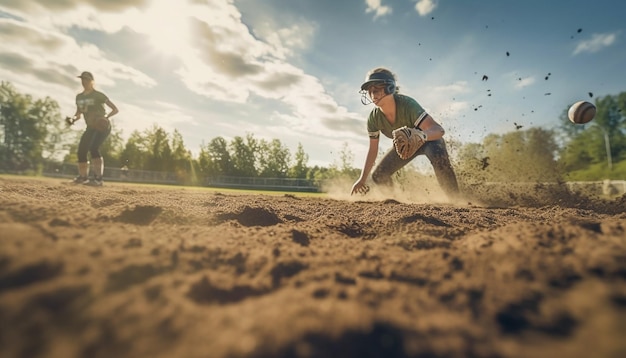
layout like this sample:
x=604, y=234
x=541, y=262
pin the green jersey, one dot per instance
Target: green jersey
x=408, y=113
x=91, y=105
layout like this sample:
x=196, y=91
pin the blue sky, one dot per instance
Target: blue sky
x=291, y=69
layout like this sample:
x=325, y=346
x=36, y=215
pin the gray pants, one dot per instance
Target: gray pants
x=436, y=153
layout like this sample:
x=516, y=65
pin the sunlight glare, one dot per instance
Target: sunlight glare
x=167, y=25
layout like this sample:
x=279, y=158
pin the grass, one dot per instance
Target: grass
x=598, y=172
x=53, y=181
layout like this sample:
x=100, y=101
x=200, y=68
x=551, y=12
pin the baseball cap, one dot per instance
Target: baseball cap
x=86, y=74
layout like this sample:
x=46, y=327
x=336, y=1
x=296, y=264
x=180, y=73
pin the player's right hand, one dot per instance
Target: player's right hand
x=359, y=188
x=70, y=120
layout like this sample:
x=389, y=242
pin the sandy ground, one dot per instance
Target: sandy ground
x=138, y=271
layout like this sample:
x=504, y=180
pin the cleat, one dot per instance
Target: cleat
x=79, y=180
x=94, y=182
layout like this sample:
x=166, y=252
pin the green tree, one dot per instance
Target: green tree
x=273, y=159
x=520, y=156
x=243, y=155
x=135, y=152
x=299, y=168
x=320, y=173
x=59, y=140
x=182, y=160
x=342, y=166
x=159, y=150
x=619, y=140
x=346, y=157
x=204, y=161
x=25, y=124
x=606, y=130
x=214, y=159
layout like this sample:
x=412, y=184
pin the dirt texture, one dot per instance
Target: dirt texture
x=138, y=271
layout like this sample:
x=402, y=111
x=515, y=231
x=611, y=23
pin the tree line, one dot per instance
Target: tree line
x=33, y=135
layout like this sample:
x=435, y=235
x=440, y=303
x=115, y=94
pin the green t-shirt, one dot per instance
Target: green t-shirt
x=91, y=105
x=408, y=113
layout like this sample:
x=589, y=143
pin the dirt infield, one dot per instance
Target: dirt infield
x=132, y=271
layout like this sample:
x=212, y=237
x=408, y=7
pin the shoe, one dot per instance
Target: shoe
x=79, y=180
x=94, y=182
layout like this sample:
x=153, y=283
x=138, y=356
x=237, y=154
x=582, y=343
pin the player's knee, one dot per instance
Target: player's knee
x=381, y=178
x=439, y=158
x=440, y=163
x=82, y=157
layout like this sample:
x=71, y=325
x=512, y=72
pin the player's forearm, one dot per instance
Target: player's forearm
x=113, y=112
x=113, y=107
x=369, y=164
x=434, y=133
x=432, y=129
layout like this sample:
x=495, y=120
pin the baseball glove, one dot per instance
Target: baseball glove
x=407, y=141
x=102, y=124
x=70, y=120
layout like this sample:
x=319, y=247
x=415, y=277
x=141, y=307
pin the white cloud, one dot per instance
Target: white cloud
x=596, y=43
x=524, y=82
x=377, y=8
x=54, y=57
x=230, y=64
x=448, y=113
x=457, y=87
x=425, y=7
x=287, y=41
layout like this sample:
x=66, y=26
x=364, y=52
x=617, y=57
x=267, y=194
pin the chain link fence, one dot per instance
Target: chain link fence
x=68, y=170
x=124, y=174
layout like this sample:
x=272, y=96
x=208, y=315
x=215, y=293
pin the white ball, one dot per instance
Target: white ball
x=581, y=112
